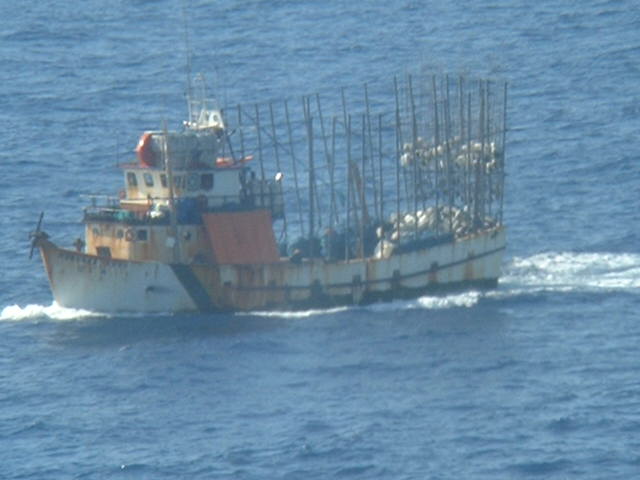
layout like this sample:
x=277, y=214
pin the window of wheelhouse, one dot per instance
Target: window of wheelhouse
x=163, y=180
x=148, y=179
x=132, y=181
x=142, y=235
x=206, y=181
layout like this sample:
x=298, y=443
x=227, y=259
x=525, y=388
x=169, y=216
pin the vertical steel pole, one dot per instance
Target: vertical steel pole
x=502, y=156
x=295, y=169
x=278, y=167
x=363, y=176
x=437, y=147
x=373, y=167
x=381, y=177
x=397, y=162
x=330, y=159
x=311, y=179
x=447, y=128
x=334, y=213
x=414, y=157
x=241, y=131
x=347, y=235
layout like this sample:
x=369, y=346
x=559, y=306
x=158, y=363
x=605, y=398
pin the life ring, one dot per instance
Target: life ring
x=128, y=235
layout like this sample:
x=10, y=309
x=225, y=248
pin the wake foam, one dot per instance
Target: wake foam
x=54, y=311
x=569, y=272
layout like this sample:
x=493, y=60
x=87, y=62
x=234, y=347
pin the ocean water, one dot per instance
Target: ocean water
x=536, y=379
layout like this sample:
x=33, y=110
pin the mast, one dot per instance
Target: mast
x=187, y=42
x=172, y=204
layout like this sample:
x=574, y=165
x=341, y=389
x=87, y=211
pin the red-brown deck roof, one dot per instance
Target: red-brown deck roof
x=241, y=237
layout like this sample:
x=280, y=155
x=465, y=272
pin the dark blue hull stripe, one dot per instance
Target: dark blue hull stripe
x=192, y=285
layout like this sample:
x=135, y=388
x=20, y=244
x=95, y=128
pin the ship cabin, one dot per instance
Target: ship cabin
x=171, y=196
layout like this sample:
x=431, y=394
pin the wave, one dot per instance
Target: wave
x=54, y=312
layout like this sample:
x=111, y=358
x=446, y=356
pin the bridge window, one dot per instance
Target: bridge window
x=142, y=235
x=163, y=180
x=206, y=181
x=131, y=179
x=148, y=179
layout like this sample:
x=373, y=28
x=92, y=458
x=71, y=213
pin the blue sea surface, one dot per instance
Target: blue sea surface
x=536, y=379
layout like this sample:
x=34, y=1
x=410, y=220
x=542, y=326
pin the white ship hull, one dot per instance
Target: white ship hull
x=90, y=282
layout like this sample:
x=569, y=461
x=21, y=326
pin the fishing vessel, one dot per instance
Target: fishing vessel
x=396, y=193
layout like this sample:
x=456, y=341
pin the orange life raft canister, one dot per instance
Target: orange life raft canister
x=144, y=151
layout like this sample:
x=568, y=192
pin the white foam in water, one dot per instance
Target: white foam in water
x=296, y=314
x=53, y=311
x=435, y=302
x=568, y=271
x=467, y=299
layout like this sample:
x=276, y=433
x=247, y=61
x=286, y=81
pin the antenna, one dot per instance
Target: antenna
x=187, y=43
